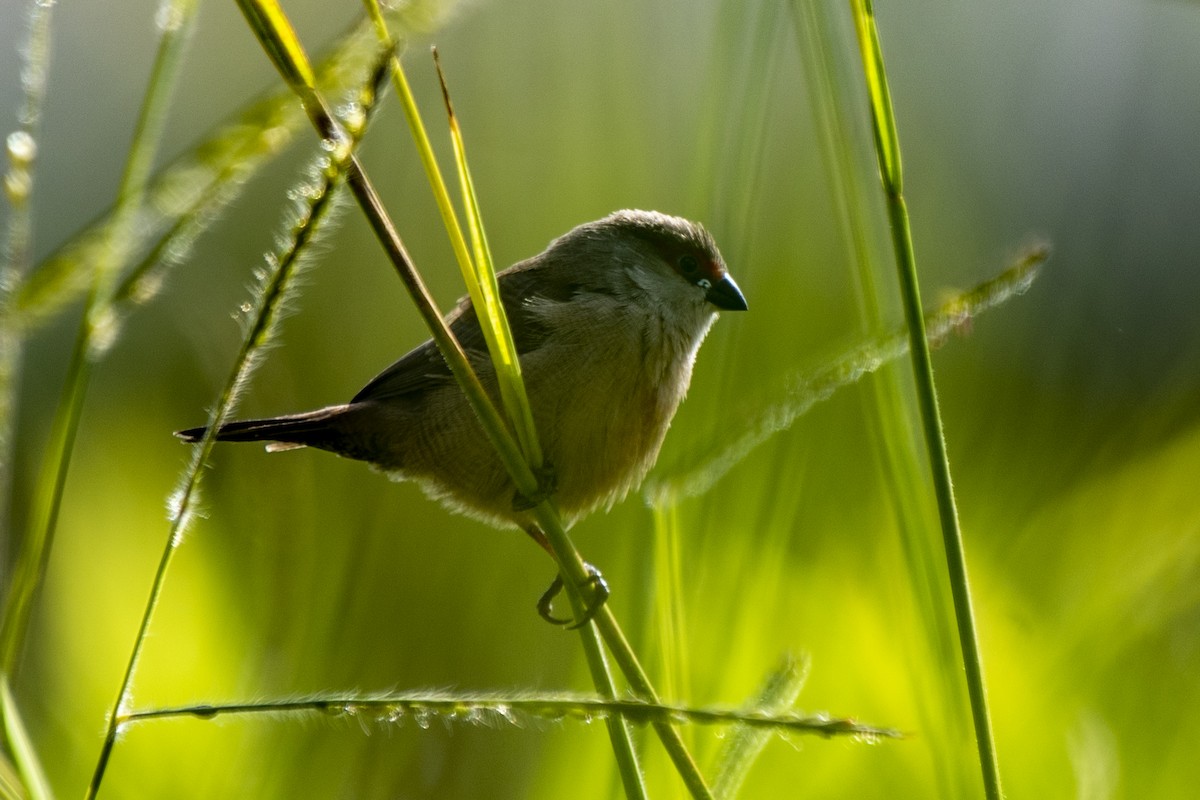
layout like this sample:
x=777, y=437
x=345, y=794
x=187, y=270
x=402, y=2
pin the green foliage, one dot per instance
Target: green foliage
x=790, y=510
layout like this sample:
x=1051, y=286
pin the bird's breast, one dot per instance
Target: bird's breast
x=603, y=407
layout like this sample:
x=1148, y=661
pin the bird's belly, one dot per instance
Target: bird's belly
x=603, y=437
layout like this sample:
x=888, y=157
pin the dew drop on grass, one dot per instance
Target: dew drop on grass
x=17, y=185
x=169, y=17
x=22, y=148
x=422, y=716
x=353, y=116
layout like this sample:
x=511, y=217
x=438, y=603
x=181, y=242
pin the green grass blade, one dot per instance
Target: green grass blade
x=478, y=272
x=570, y=562
x=743, y=746
x=33, y=777
x=888, y=154
x=485, y=292
x=390, y=708
x=420, y=137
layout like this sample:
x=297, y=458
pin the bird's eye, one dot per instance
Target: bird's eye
x=688, y=265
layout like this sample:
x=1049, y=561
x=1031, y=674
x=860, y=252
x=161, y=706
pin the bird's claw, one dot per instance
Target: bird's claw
x=599, y=596
x=547, y=480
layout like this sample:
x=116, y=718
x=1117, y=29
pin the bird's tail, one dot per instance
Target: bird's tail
x=315, y=428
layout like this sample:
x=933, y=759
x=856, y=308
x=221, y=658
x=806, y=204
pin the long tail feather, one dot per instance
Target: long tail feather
x=312, y=428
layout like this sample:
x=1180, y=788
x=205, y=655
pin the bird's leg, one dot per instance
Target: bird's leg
x=595, y=582
x=547, y=599
x=547, y=480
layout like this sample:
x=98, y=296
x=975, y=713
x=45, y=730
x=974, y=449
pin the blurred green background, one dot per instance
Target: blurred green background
x=1071, y=412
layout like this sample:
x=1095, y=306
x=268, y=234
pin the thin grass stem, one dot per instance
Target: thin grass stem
x=394, y=708
x=97, y=331
x=746, y=742
x=887, y=149
x=21, y=149
x=34, y=783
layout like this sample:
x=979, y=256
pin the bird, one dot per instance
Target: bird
x=607, y=322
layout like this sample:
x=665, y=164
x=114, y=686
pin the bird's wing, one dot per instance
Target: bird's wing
x=423, y=367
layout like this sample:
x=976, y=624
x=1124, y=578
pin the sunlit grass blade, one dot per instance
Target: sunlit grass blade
x=97, y=332
x=669, y=618
x=32, y=775
x=494, y=709
x=188, y=194
x=277, y=281
x=744, y=744
x=888, y=155
x=485, y=294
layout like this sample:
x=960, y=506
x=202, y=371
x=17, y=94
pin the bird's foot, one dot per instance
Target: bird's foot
x=595, y=586
x=547, y=480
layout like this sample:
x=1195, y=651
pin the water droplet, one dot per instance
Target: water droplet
x=22, y=148
x=353, y=116
x=169, y=17
x=17, y=185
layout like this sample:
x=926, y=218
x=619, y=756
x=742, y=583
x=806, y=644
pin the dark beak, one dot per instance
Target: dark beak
x=726, y=294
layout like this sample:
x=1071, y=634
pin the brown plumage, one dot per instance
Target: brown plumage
x=607, y=322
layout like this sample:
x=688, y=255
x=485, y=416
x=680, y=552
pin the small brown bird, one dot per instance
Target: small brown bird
x=607, y=322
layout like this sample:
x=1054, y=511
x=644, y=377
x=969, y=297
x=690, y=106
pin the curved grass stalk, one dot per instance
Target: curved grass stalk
x=887, y=148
